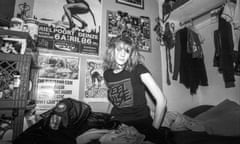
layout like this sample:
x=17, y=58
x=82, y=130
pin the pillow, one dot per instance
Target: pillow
x=222, y=119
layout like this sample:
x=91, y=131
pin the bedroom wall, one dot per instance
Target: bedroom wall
x=152, y=59
x=179, y=98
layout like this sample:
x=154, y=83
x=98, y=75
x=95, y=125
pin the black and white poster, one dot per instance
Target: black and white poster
x=58, y=78
x=69, y=25
x=95, y=88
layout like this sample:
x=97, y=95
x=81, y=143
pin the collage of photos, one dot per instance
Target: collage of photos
x=138, y=28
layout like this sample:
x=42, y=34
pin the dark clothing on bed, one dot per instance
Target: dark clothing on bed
x=77, y=118
x=144, y=126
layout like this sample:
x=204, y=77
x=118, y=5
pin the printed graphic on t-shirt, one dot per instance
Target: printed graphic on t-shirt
x=121, y=93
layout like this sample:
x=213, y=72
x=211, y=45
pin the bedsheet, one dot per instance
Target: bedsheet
x=190, y=137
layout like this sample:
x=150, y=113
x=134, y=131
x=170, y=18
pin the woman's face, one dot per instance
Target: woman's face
x=122, y=53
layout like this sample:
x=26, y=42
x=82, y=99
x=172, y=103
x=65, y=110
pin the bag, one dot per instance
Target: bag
x=73, y=115
x=75, y=118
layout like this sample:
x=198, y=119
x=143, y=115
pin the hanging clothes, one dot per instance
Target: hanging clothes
x=231, y=13
x=228, y=14
x=225, y=44
x=188, y=63
x=236, y=23
x=237, y=62
x=169, y=43
x=217, y=43
x=194, y=45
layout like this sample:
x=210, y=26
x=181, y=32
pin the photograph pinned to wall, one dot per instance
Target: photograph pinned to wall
x=23, y=9
x=95, y=88
x=66, y=25
x=133, y=3
x=137, y=28
x=58, y=78
x=13, y=45
x=58, y=67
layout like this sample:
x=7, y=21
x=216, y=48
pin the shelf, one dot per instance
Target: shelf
x=19, y=34
x=31, y=46
x=4, y=22
x=25, y=35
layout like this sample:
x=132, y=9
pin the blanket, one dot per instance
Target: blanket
x=122, y=135
x=179, y=122
x=222, y=119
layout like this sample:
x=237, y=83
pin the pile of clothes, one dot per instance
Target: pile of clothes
x=122, y=135
x=73, y=122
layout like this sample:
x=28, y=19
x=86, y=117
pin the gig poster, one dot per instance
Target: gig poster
x=95, y=88
x=70, y=27
x=58, y=78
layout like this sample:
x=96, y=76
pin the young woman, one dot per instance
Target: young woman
x=126, y=78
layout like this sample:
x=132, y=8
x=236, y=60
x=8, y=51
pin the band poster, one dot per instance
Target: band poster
x=138, y=28
x=95, y=88
x=71, y=26
x=58, y=78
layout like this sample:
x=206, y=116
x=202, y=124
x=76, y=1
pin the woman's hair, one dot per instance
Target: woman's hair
x=134, y=59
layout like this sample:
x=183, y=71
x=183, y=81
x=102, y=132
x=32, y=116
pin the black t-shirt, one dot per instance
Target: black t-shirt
x=127, y=94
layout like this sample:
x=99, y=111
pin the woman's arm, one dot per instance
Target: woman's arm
x=109, y=108
x=158, y=96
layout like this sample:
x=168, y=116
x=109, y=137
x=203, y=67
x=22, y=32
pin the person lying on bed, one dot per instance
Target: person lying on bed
x=126, y=78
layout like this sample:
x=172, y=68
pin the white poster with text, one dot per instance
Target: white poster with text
x=58, y=78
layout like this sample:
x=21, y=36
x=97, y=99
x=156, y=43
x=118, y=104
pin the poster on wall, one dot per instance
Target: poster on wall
x=132, y=3
x=138, y=28
x=69, y=26
x=58, y=78
x=95, y=88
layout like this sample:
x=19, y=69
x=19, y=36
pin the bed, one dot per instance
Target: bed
x=222, y=122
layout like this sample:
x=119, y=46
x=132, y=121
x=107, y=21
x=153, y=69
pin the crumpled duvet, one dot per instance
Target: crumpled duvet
x=179, y=122
x=222, y=120
x=123, y=135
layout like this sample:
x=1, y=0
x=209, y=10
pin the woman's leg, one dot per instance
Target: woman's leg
x=144, y=126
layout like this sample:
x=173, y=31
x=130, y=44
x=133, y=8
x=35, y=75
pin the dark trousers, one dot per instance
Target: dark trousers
x=144, y=126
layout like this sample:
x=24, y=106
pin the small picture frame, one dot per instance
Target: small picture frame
x=13, y=45
x=132, y=3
